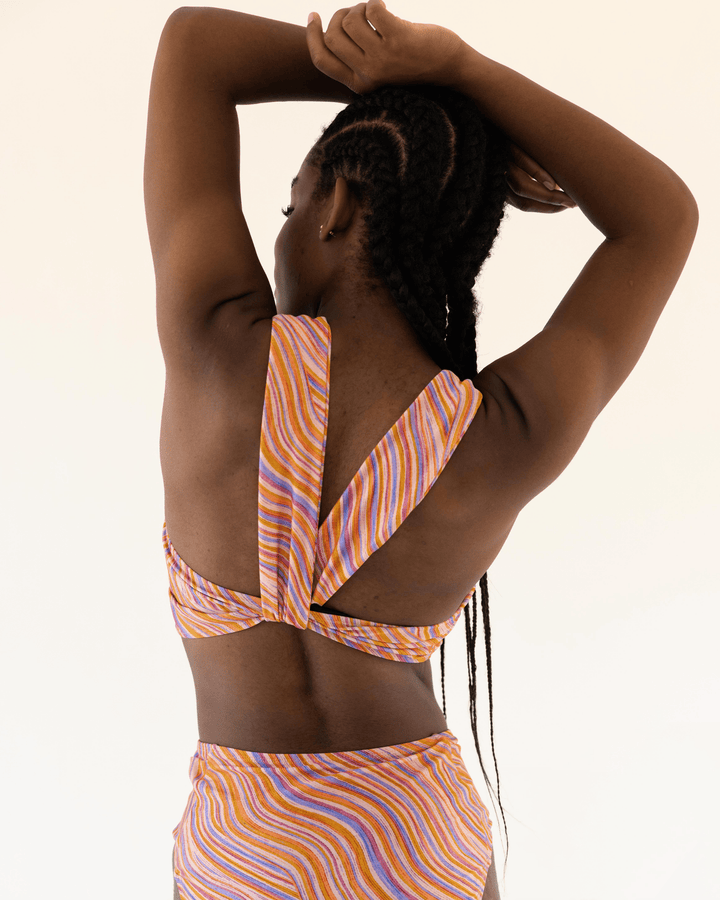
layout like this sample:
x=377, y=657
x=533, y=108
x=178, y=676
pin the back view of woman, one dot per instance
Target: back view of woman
x=338, y=475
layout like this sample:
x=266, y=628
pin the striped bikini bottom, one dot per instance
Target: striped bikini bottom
x=402, y=822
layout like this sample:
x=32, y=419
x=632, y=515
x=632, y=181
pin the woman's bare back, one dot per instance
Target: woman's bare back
x=276, y=688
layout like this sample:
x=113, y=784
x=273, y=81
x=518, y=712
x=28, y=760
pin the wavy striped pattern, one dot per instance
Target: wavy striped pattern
x=293, y=552
x=292, y=458
x=390, y=823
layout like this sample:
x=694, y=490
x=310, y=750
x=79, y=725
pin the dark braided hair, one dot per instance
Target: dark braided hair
x=429, y=170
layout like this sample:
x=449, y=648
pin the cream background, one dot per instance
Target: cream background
x=604, y=600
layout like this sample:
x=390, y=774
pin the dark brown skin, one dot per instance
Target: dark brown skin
x=273, y=687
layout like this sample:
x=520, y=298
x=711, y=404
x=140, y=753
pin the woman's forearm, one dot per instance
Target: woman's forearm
x=619, y=186
x=256, y=60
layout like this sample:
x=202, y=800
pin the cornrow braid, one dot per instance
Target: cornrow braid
x=429, y=170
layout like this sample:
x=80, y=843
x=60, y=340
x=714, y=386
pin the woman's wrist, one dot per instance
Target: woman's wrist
x=460, y=69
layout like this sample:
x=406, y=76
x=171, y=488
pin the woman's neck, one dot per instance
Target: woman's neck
x=370, y=327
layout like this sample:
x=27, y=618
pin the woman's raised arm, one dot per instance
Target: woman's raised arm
x=208, y=276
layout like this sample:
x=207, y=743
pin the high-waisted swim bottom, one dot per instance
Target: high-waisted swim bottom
x=403, y=822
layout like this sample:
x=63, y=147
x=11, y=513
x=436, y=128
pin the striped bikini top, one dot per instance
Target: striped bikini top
x=302, y=565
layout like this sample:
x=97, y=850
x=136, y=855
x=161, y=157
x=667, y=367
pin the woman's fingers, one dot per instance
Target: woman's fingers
x=529, y=165
x=357, y=27
x=530, y=195
x=347, y=49
x=379, y=16
x=322, y=58
x=340, y=43
x=532, y=205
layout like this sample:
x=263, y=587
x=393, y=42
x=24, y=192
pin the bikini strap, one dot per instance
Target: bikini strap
x=292, y=459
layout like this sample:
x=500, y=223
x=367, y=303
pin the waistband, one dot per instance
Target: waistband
x=442, y=742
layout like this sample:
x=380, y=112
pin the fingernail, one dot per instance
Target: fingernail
x=311, y=17
x=550, y=185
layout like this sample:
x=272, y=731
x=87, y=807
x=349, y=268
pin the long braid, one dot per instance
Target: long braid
x=430, y=170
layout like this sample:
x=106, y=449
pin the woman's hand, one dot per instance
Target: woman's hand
x=366, y=47
x=531, y=188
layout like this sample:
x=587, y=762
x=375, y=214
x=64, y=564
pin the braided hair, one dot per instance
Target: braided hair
x=429, y=171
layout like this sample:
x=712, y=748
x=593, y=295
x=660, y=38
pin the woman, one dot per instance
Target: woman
x=321, y=543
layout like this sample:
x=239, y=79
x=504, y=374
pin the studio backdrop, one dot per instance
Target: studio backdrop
x=604, y=601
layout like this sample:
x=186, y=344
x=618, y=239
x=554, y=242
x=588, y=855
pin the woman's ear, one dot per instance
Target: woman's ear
x=342, y=209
